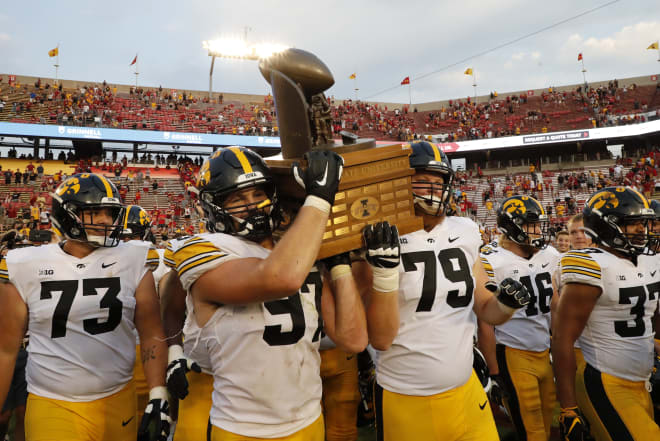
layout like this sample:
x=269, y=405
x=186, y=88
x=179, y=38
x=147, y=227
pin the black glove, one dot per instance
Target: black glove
x=322, y=175
x=382, y=242
x=510, y=293
x=178, y=366
x=496, y=394
x=156, y=422
x=572, y=425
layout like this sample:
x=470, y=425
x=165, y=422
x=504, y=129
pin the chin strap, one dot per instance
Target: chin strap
x=431, y=205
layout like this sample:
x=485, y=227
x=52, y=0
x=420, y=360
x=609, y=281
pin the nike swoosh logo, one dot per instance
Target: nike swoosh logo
x=481, y=406
x=543, y=266
x=124, y=423
x=451, y=239
x=653, y=273
x=325, y=177
x=103, y=265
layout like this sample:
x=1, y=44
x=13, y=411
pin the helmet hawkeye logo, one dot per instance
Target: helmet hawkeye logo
x=70, y=186
x=604, y=199
x=514, y=206
x=204, y=174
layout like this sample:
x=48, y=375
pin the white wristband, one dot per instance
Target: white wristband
x=318, y=203
x=174, y=352
x=339, y=271
x=385, y=279
x=158, y=392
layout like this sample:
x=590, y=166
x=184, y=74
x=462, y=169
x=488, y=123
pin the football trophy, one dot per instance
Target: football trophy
x=376, y=182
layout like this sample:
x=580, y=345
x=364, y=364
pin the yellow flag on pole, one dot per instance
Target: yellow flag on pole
x=653, y=46
x=352, y=77
x=54, y=52
x=468, y=71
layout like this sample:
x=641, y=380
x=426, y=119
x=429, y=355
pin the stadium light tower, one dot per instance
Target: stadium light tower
x=237, y=48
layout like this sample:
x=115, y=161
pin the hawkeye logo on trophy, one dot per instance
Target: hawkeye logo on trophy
x=376, y=182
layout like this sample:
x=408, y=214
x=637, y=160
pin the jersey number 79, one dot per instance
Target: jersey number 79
x=456, y=269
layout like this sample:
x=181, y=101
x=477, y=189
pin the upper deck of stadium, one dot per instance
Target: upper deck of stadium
x=35, y=100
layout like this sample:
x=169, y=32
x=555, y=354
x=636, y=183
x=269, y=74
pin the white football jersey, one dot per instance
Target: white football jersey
x=265, y=356
x=529, y=327
x=432, y=352
x=618, y=337
x=191, y=342
x=81, y=317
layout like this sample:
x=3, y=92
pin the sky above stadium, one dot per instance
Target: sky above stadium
x=433, y=42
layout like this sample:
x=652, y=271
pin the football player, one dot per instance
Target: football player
x=261, y=305
x=426, y=387
x=82, y=300
x=137, y=226
x=608, y=297
x=186, y=353
x=655, y=378
x=523, y=343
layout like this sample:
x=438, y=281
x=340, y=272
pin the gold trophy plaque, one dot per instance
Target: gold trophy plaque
x=376, y=182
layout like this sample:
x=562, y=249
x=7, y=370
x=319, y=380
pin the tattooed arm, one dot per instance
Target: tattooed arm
x=150, y=329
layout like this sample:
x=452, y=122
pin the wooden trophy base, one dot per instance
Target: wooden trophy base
x=375, y=186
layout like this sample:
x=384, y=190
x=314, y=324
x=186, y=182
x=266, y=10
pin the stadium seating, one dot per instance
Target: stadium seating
x=155, y=109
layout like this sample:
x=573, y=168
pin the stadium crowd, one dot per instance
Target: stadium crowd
x=100, y=105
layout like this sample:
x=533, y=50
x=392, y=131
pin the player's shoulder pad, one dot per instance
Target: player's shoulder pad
x=582, y=263
x=194, y=252
x=153, y=258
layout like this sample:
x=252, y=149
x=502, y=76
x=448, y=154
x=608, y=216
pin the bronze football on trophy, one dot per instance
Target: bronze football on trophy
x=302, y=67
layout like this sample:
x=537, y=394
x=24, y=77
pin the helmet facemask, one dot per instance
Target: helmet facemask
x=531, y=231
x=92, y=232
x=620, y=239
x=253, y=221
x=425, y=193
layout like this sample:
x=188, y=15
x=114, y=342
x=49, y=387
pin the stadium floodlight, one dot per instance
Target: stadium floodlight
x=238, y=48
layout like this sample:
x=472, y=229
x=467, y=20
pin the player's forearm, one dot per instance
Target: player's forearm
x=154, y=360
x=383, y=319
x=295, y=254
x=486, y=343
x=350, y=320
x=7, y=363
x=493, y=313
x=173, y=308
x=564, y=367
